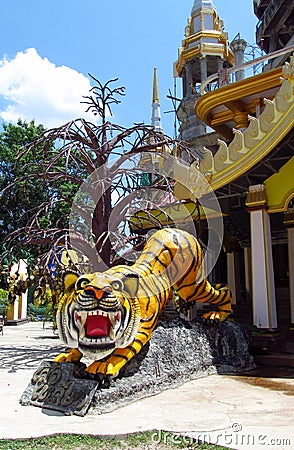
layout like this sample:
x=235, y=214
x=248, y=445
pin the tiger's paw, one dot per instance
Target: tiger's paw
x=73, y=356
x=102, y=371
x=214, y=317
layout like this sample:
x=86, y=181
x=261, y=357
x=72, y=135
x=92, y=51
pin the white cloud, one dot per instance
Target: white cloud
x=35, y=88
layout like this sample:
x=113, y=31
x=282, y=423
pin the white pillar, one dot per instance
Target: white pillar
x=264, y=299
x=248, y=272
x=291, y=270
x=18, y=273
x=24, y=305
x=289, y=222
x=263, y=284
x=15, y=308
x=231, y=268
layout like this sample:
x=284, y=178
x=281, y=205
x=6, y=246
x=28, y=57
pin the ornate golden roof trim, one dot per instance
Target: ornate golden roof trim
x=262, y=135
x=236, y=91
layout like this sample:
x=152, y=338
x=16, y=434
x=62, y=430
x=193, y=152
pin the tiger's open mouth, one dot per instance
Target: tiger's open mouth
x=98, y=327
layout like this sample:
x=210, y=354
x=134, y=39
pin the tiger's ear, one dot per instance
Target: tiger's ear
x=69, y=281
x=131, y=284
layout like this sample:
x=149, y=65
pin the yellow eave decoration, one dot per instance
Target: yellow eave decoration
x=170, y=215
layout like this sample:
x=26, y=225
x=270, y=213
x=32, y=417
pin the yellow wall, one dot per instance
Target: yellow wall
x=280, y=188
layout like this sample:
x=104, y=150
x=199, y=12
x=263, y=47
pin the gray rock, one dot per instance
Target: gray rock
x=178, y=352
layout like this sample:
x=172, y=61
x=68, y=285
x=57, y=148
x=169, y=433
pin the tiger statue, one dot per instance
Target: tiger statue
x=109, y=316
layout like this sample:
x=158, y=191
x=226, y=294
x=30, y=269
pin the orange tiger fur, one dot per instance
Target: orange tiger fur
x=110, y=316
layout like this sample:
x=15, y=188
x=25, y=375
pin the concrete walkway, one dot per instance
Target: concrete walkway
x=240, y=412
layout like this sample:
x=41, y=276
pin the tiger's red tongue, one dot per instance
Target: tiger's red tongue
x=97, y=326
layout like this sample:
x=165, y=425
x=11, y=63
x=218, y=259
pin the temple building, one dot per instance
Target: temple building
x=239, y=126
x=252, y=169
x=275, y=27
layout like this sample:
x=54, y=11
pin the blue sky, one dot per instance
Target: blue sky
x=48, y=47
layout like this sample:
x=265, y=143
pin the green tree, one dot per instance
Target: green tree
x=20, y=193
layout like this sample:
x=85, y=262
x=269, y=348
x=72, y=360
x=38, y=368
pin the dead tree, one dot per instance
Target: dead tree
x=97, y=179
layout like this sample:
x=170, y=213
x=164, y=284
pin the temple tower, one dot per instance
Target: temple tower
x=156, y=115
x=148, y=160
x=238, y=47
x=204, y=51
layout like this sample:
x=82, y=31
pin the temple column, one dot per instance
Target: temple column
x=189, y=81
x=238, y=46
x=18, y=310
x=231, y=269
x=203, y=69
x=220, y=64
x=289, y=222
x=248, y=272
x=24, y=305
x=263, y=285
x=16, y=306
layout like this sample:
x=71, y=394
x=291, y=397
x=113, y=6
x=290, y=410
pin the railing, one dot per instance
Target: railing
x=212, y=82
x=257, y=3
x=269, y=13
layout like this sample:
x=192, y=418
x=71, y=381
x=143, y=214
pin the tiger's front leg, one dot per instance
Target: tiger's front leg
x=72, y=356
x=111, y=367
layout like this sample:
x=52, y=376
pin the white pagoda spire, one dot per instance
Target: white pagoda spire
x=156, y=116
x=199, y=4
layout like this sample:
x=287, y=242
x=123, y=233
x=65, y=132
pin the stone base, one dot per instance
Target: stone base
x=178, y=352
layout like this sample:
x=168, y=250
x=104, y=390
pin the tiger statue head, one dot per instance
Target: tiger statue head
x=99, y=312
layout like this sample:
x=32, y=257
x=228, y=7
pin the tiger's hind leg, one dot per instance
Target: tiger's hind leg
x=204, y=292
x=218, y=296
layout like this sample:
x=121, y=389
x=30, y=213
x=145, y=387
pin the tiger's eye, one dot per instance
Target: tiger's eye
x=82, y=283
x=117, y=285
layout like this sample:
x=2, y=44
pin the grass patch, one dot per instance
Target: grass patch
x=147, y=440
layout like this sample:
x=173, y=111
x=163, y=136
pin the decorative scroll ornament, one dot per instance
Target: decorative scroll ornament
x=257, y=140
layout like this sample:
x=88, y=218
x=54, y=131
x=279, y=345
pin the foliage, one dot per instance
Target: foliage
x=42, y=306
x=3, y=294
x=4, y=303
x=21, y=195
x=136, y=441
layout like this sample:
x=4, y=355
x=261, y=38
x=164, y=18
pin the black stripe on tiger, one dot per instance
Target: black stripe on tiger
x=130, y=347
x=144, y=334
x=199, y=288
x=152, y=325
x=159, y=286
